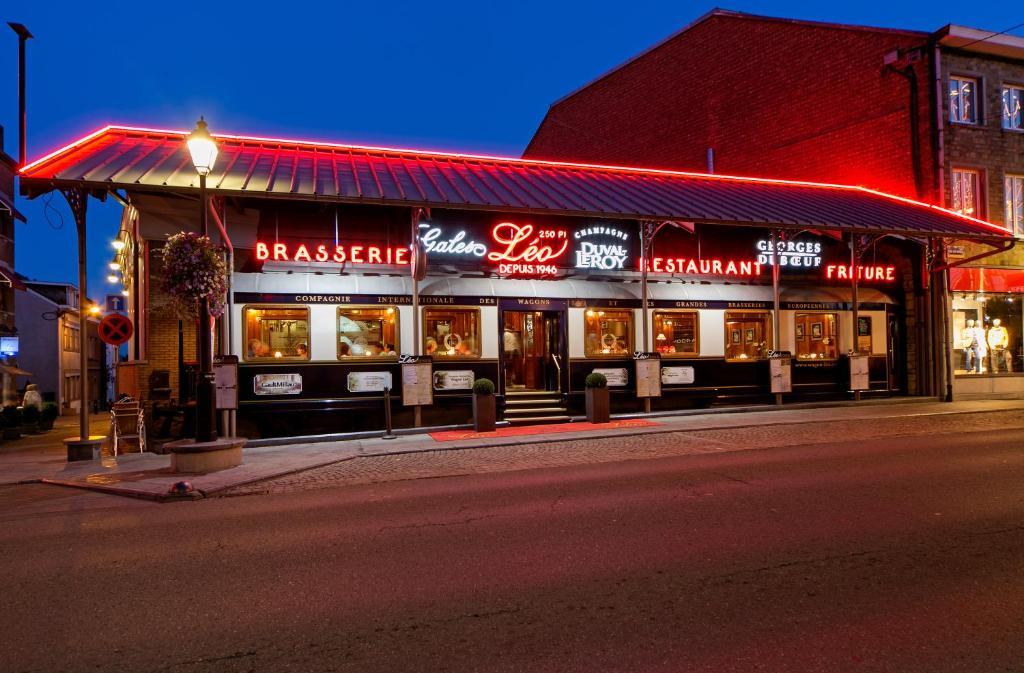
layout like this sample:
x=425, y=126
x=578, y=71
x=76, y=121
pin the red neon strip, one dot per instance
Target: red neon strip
x=521, y=162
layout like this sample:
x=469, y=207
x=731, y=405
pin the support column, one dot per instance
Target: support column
x=854, y=259
x=776, y=318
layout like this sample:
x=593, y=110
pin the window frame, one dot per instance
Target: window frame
x=376, y=358
x=769, y=333
x=961, y=80
x=1006, y=88
x=979, y=196
x=696, y=332
x=444, y=356
x=283, y=358
x=835, y=335
x=631, y=331
x=1015, y=228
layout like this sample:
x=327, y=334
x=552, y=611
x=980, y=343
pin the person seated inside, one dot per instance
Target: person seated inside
x=465, y=347
x=431, y=346
x=302, y=351
x=344, y=350
x=389, y=350
x=257, y=349
x=373, y=349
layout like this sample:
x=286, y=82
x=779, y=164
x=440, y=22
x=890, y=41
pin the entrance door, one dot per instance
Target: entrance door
x=531, y=346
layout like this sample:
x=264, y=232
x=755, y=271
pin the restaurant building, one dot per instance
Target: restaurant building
x=933, y=116
x=530, y=273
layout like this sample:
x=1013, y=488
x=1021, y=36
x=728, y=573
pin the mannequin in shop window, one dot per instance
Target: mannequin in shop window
x=998, y=339
x=973, y=344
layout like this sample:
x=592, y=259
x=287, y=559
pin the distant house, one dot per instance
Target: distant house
x=49, y=313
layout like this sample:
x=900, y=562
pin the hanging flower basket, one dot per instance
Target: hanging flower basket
x=194, y=270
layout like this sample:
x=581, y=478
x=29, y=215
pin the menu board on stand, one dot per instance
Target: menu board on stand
x=780, y=364
x=417, y=380
x=648, y=374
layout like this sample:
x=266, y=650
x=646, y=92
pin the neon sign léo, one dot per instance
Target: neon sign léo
x=336, y=254
x=526, y=251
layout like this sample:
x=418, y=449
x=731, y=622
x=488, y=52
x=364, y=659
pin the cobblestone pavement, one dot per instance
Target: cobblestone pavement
x=444, y=463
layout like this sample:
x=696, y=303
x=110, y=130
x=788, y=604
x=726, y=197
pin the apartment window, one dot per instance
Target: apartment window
x=71, y=339
x=451, y=332
x=1013, y=192
x=966, y=190
x=747, y=336
x=676, y=333
x=963, y=100
x=367, y=332
x=72, y=388
x=276, y=333
x=1013, y=118
x=816, y=336
x=608, y=332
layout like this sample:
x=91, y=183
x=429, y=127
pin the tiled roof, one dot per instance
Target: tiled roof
x=144, y=159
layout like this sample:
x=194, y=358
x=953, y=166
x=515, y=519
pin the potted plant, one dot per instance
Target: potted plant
x=30, y=419
x=47, y=416
x=12, y=422
x=597, y=398
x=483, y=405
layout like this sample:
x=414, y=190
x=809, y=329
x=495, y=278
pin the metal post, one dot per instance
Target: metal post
x=776, y=326
x=78, y=200
x=417, y=414
x=947, y=333
x=206, y=411
x=646, y=234
x=854, y=258
x=388, y=433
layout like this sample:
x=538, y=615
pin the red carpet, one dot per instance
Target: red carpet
x=524, y=430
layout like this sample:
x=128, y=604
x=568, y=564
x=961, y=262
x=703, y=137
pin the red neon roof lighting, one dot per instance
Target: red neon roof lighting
x=141, y=159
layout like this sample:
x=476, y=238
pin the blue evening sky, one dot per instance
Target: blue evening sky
x=473, y=76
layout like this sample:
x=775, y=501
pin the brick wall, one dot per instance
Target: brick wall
x=773, y=98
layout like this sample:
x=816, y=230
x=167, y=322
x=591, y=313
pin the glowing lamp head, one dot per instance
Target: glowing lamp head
x=94, y=310
x=125, y=293
x=114, y=266
x=118, y=244
x=112, y=278
x=202, y=147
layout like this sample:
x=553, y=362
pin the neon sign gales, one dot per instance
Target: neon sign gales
x=336, y=254
x=523, y=250
x=703, y=267
x=876, y=272
x=433, y=243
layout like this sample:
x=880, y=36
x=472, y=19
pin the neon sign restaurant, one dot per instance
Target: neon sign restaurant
x=346, y=261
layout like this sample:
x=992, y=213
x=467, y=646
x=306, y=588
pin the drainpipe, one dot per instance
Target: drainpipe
x=940, y=127
x=23, y=36
x=910, y=75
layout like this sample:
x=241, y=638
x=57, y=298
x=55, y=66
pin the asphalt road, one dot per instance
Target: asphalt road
x=901, y=555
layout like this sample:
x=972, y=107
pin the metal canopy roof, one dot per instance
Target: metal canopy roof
x=146, y=160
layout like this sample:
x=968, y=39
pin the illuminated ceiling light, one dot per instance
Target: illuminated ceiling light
x=202, y=147
x=114, y=266
x=118, y=244
x=113, y=278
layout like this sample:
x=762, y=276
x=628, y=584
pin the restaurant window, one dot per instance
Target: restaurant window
x=676, y=333
x=608, y=332
x=963, y=100
x=367, y=332
x=966, y=190
x=1013, y=194
x=451, y=332
x=988, y=333
x=1013, y=118
x=816, y=336
x=747, y=336
x=276, y=333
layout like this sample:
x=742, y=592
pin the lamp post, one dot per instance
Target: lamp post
x=203, y=149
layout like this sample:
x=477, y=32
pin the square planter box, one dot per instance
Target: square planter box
x=484, y=413
x=597, y=405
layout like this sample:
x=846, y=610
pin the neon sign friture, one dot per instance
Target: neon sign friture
x=523, y=250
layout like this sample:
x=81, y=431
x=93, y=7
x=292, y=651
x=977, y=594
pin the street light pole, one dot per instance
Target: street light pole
x=204, y=152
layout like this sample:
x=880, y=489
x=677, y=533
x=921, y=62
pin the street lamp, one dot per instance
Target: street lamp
x=203, y=149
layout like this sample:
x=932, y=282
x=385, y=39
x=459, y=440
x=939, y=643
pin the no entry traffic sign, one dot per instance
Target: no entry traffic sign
x=115, y=329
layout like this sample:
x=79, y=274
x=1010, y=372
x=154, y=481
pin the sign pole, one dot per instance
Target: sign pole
x=417, y=414
x=776, y=320
x=647, y=231
x=854, y=258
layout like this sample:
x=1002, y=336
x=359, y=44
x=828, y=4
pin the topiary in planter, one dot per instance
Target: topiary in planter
x=598, y=402
x=12, y=422
x=484, y=408
x=483, y=387
x=48, y=415
x=30, y=419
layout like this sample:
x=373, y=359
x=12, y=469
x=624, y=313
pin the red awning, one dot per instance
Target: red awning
x=963, y=279
x=151, y=160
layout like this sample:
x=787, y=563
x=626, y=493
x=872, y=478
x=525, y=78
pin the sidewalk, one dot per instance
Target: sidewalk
x=148, y=475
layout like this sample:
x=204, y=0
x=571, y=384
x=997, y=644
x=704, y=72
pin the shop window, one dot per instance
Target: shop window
x=966, y=191
x=747, y=336
x=816, y=336
x=276, y=333
x=963, y=100
x=988, y=333
x=608, y=332
x=367, y=332
x=1013, y=186
x=676, y=333
x=1013, y=117
x=451, y=332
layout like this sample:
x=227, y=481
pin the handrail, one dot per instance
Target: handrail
x=558, y=365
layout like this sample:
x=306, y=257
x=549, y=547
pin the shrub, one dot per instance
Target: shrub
x=595, y=380
x=50, y=412
x=483, y=387
x=12, y=416
x=30, y=414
